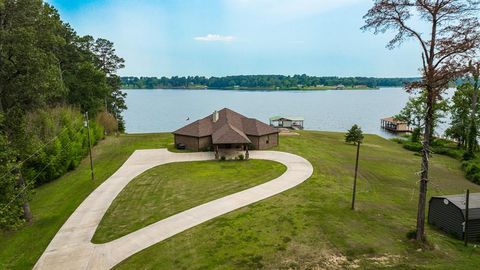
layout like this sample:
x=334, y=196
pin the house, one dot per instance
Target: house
x=394, y=125
x=292, y=122
x=448, y=214
x=226, y=130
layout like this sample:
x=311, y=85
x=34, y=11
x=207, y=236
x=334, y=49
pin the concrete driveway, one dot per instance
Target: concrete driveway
x=71, y=248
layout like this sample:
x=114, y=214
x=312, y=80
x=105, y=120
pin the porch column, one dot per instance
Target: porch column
x=216, y=151
x=246, y=153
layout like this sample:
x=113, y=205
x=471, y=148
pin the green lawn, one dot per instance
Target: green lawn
x=169, y=189
x=53, y=203
x=312, y=225
x=308, y=226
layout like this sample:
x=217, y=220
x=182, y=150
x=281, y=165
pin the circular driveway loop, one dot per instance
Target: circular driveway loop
x=71, y=248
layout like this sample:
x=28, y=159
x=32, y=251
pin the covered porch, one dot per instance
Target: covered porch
x=230, y=151
x=230, y=143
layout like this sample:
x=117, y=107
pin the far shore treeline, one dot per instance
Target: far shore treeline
x=269, y=82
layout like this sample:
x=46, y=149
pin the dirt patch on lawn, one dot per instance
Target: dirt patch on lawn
x=327, y=260
x=287, y=132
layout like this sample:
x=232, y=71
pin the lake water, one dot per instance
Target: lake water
x=167, y=110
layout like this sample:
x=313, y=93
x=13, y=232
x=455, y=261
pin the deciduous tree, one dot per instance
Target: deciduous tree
x=44, y=64
x=474, y=72
x=414, y=113
x=460, y=113
x=452, y=35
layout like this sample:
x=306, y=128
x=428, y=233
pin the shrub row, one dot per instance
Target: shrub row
x=438, y=147
x=453, y=153
x=472, y=170
x=447, y=148
x=59, y=141
x=412, y=146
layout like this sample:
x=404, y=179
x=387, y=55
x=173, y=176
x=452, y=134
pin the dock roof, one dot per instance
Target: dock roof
x=291, y=118
x=393, y=120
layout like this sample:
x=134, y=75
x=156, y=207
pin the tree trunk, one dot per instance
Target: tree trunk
x=1, y=103
x=422, y=198
x=355, y=177
x=472, y=133
x=27, y=213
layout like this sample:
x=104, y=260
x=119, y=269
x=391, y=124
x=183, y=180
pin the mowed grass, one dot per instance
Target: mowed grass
x=312, y=226
x=171, y=188
x=309, y=226
x=53, y=203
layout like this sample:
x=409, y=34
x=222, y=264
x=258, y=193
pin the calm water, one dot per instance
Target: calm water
x=167, y=110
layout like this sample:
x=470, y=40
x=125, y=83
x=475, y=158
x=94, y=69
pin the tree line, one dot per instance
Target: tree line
x=260, y=81
x=462, y=131
x=49, y=77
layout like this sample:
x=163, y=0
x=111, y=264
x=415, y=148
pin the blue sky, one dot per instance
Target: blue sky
x=231, y=37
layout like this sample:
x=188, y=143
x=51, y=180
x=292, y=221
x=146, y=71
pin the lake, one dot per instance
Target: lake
x=166, y=110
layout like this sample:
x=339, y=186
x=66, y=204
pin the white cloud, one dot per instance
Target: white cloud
x=215, y=37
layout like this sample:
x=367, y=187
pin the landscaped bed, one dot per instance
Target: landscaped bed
x=310, y=225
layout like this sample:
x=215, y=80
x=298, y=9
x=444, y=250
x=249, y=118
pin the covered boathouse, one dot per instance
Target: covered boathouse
x=226, y=131
x=448, y=214
x=291, y=122
x=393, y=125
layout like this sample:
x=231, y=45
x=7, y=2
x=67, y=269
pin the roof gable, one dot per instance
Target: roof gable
x=229, y=134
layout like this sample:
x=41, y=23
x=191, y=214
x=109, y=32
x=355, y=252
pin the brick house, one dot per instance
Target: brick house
x=226, y=130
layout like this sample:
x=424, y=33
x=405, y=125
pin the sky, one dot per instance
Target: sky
x=239, y=37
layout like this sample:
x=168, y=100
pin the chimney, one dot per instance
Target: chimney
x=215, y=116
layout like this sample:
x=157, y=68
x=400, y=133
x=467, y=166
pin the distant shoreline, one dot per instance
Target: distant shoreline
x=264, y=89
x=264, y=82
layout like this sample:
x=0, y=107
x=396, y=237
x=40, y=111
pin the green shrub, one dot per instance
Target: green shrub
x=398, y=140
x=470, y=165
x=415, y=135
x=241, y=157
x=472, y=170
x=453, y=153
x=468, y=155
x=412, y=146
x=10, y=210
x=440, y=142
